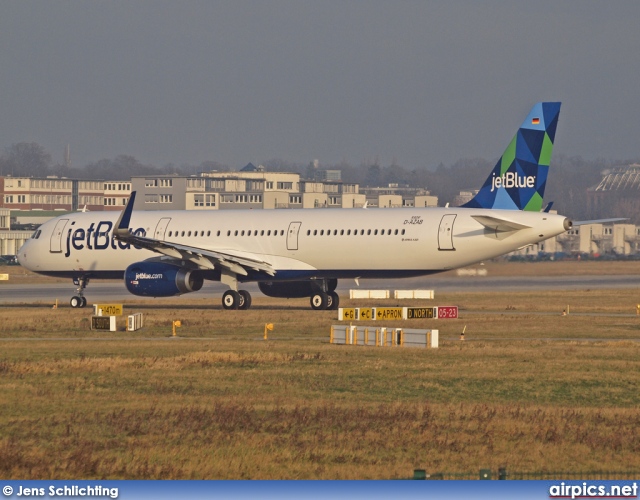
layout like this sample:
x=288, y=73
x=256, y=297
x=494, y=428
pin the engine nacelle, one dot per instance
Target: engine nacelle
x=294, y=289
x=160, y=279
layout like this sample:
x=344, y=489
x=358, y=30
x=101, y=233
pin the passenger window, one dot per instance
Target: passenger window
x=218, y=233
x=341, y=232
x=335, y=232
x=269, y=232
x=228, y=233
x=281, y=232
x=348, y=232
x=396, y=232
x=262, y=233
x=361, y=232
x=368, y=232
x=322, y=232
x=208, y=233
x=169, y=234
x=183, y=233
x=235, y=233
x=403, y=231
x=308, y=232
x=375, y=233
x=315, y=232
x=189, y=233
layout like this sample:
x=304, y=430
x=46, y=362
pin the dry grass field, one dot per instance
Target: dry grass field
x=528, y=389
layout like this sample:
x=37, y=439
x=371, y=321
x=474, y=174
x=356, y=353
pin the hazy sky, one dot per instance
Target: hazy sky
x=421, y=82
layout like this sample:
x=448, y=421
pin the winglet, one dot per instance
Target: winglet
x=122, y=224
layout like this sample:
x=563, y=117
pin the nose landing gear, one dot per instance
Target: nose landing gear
x=79, y=300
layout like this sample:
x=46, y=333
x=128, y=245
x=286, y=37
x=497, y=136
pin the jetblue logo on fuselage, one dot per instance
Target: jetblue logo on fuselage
x=96, y=237
x=147, y=276
x=512, y=180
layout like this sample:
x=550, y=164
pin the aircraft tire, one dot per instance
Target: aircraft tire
x=76, y=301
x=84, y=302
x=334, y=301
x=231, y=299
x=319, y=301
x=245, y=300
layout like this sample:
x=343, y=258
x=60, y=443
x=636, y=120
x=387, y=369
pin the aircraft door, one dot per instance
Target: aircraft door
x=161, y=228
x=292, y=235
x=56, y=235
x=445, y=232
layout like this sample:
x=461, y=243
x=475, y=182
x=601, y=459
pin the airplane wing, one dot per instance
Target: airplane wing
x=205, y=259
x=499, y=225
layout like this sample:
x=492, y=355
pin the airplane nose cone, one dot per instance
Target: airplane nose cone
x=22, y=254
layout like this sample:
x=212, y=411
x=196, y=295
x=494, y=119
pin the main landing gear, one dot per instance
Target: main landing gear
x=324, y=295
x=325, y=300
x=79, y=300
x=236, y=300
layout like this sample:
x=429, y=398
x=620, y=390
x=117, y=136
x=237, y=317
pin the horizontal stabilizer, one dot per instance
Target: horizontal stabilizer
x=499, y=225
x=596, y=221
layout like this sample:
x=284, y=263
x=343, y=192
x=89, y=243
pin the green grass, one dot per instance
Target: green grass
x=522, y=391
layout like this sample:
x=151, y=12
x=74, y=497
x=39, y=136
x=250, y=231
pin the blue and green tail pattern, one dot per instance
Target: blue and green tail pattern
x=518, y=180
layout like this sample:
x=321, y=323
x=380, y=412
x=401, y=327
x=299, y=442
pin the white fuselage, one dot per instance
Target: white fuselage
x=296, y=243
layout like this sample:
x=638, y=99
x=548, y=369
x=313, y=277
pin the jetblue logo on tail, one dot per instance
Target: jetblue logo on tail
x=519, y=178
x=511, y=180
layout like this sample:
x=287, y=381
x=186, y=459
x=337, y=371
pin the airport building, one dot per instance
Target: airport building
x=254, y=188
x=62, y=194
x=617, y=194
x=10, y=241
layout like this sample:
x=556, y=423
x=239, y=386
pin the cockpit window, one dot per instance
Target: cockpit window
x=37, y=234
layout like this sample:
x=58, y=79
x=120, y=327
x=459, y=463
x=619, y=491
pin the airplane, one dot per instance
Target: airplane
x=303, y=253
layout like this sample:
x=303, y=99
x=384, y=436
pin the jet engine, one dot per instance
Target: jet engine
x=294, y=289
x=161, y=279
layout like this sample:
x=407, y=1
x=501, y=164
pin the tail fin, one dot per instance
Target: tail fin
x=518, y=180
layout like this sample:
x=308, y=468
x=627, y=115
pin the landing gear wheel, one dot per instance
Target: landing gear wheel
x=76, y=301
x=231, y=300
x=79, y=301
x=245, y=299
x=334, y=301
x=319, y=301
